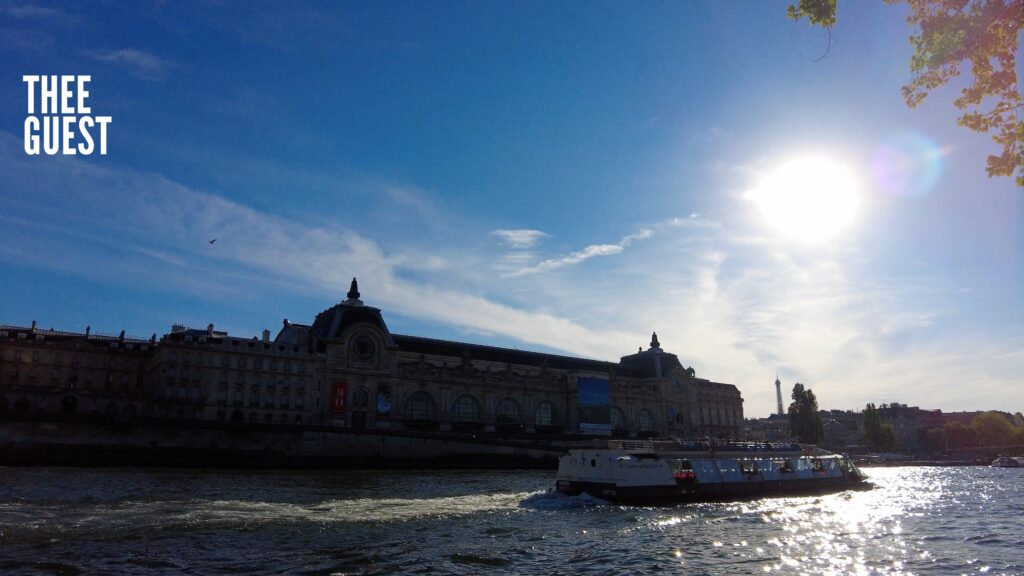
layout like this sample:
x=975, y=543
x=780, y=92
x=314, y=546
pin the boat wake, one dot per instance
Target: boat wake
x=554, y=500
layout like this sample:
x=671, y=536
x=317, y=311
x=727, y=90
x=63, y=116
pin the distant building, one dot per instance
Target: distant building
x=774, y=428
x=844, y=429
x=907, y=420
x=347, y=369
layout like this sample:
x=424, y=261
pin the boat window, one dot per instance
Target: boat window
x=680, y=465
x=706, y=470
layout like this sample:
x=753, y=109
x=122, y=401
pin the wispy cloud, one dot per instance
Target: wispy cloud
x=138, y=63
x=587, y=253
x=520, y=238
x=29, y=11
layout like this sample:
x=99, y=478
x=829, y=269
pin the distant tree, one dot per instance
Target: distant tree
x=932, y=439
x=879, y=436
x=1018, y=439
x=950, y=36
x=993, y=429
x=960, y=436
x=888, y=440
x=804, y=416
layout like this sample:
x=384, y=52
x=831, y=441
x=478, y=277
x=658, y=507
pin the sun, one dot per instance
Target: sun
x=809, y=199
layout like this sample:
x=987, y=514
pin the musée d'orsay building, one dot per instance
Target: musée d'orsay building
x=347, y=369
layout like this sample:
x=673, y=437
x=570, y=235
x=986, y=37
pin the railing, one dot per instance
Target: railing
x=712, y=446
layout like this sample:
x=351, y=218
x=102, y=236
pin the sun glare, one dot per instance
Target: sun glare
x=810, y=199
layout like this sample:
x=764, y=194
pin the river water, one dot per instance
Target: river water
x=131, y=521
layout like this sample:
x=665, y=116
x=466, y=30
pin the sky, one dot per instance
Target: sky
x=565, y=177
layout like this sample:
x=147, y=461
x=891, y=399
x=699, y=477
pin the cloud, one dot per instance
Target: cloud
x=519, y=239
x=585, y=254
x=30, y=11
x=138, y=63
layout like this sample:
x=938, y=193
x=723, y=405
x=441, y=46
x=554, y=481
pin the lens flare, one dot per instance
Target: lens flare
x=907, y=164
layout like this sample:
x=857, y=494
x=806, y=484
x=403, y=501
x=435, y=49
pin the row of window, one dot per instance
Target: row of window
x=258, y=363
x=269, y=397
x=239, y=379
x=267, y=417
x=70, y=405
x=719, y=417
x=466, y=408
x=74, y=361
x=53, y=377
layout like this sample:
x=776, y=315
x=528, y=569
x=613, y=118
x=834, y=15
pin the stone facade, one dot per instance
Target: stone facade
x=208, y=375
x=346, y=369
x=51, y=371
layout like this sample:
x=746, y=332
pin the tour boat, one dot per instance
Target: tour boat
x=673, y=471
x=1007, y=462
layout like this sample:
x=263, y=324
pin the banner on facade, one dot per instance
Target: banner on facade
x=338, y=399
x=594, y=406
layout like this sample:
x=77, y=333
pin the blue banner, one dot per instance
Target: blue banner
x=594, y=406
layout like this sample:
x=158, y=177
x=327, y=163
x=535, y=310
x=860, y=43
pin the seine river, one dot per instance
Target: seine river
x=130, y=521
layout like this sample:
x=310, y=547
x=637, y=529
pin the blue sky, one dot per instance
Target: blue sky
x=551, y=176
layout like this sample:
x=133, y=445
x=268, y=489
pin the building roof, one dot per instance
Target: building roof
x=417, y=344
x=61, y=335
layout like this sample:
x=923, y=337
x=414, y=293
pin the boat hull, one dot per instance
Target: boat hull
x=661, y=494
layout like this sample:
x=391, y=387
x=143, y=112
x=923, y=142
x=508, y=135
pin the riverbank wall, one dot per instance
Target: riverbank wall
x=81, y=442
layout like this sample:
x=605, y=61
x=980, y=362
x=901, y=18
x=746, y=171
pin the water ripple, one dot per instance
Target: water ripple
x=916, y=521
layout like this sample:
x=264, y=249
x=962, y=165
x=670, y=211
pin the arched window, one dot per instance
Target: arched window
x=644, y=421
x=419, y=406
x=360, y=398
x=359, y=420
x=618, y=420
x=507, y=412
x=466, y=409
x=546, y=414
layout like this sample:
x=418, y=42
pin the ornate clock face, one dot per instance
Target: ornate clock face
x=363, y=348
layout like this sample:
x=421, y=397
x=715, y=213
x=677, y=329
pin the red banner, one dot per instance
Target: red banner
x=338, y=400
